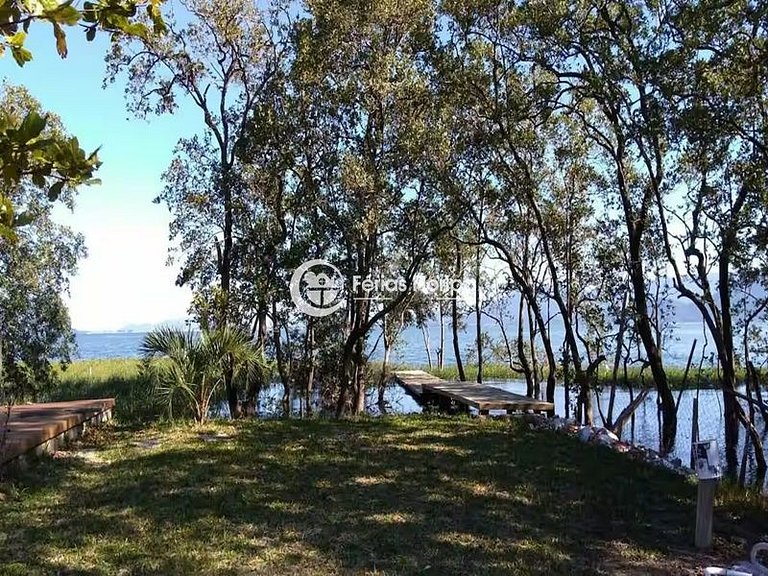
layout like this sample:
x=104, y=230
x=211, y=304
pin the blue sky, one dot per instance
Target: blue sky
x=125, y=279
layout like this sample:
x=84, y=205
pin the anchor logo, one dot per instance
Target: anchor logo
x=317, y=288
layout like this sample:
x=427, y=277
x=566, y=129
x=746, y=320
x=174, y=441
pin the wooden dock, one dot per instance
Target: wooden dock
x=460, y=396
x=44, y=428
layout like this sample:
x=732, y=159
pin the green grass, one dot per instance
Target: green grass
x=495, y=371
x=109, y=378
x=413, y=495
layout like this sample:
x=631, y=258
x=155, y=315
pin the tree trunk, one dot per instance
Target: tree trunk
x=522, y=356
x=284, y=378
x=360, y=378
x=534, y=360
x=441, y=349
x=225, y=274
x=427, y=344
x=384, y=366
x=653, y=354
x=478, y=318
x=309, y=354
x=731, y=405
x=617, y=359
x=455, y=318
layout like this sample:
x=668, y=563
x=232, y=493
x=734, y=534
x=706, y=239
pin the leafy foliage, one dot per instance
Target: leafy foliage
x=117, y=17
x=192, y=366
x=36, y=265
x=34, y=151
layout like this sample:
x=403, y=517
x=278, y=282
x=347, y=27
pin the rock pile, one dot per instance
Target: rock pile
x=604, y=437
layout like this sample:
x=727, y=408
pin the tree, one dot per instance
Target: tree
x=35, y=267
x=367, y=65
x=192, y=367
x=55, y=162
x=117, y=17
x=716, y=104
x=220, y=60
x=588, y=47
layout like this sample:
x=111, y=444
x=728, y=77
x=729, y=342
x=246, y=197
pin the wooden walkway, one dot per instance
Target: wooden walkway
x=429, y=389
x=43, y=428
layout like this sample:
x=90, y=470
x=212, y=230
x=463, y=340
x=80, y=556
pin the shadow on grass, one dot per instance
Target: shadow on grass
x=395, y=496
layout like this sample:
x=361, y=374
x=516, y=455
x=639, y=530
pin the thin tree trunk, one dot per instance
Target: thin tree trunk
x=309, y=354
x=653, y=354
x=478, y=318
x=617, y=358
x=534, y=359
x=441, y=349
x=384, y=366
x=284, y=379
x=455, y=318
x=521, y=350
x=427, y=343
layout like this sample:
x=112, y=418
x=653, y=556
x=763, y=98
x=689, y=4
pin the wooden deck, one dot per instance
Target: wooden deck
x=43, y=428
x=429, y=389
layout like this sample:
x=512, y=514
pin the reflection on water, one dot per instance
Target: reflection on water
x=641, y=430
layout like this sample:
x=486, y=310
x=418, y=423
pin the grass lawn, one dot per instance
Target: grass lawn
x=405, y=495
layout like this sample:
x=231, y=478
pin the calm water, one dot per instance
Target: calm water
x=108, y=345
x=410, y=348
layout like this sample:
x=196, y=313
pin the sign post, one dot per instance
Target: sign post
x=709, y=472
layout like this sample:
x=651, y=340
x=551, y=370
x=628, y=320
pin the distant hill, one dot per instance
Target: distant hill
x=140, y=328
x=147, y=327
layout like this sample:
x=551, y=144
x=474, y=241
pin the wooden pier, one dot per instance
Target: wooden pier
x=44, y=428
x=460, y=396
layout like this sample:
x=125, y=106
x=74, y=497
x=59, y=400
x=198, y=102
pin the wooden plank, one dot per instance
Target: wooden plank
x=413, y=380
x=479, y=396
x=33, y=426
x=485, y=397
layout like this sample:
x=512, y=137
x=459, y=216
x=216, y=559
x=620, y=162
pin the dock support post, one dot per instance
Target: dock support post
x=484, y=413
x=705, y=504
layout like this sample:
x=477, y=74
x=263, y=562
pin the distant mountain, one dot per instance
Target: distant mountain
x=181, y=323
x=142, y=327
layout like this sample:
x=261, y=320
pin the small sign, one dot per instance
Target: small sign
x=707, y=460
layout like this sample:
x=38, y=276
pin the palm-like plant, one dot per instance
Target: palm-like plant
x=192, y=365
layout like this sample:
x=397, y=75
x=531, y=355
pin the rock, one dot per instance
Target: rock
x=585, y=434
x=561, y=423
x=606, y=437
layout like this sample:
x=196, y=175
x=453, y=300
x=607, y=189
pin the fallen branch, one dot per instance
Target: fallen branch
x=628, y=411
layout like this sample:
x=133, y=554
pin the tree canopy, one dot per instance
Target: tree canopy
x=35, y=267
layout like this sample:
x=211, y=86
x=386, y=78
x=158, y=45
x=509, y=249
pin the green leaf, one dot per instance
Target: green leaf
x=21, y=55
x=17, y=40
x=90, y=33
x=31, y=127
x=34, y=7
x=6, y=211
x=65, y=14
